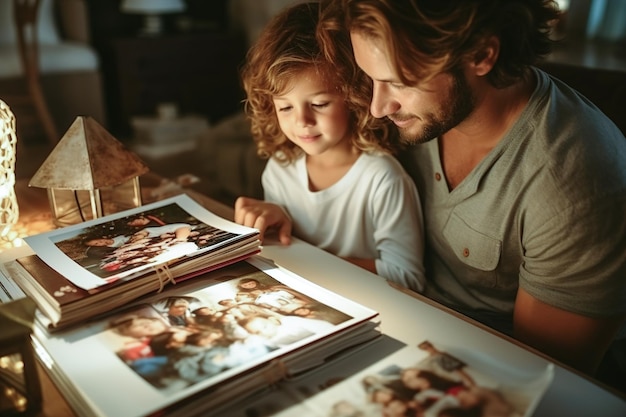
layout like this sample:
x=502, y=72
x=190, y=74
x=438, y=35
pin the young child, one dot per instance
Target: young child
x=282, y=331
x=330, y=177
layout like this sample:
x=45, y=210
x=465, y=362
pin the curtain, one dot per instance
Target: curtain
x=607, y=20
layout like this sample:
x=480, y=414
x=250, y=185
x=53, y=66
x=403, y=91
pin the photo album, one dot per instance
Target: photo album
x=426, y=380
x=171, y=310
x=80, y=271
x=204, y=343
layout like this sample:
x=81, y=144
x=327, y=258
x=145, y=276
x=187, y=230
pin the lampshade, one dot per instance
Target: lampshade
x=152, y=6
x=152, y=9
x=87, y=158
x=89, y=174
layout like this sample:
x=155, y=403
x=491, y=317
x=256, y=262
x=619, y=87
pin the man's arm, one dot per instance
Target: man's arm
x=575, y=340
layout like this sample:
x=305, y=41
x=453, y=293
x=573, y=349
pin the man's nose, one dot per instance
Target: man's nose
x=382, y=103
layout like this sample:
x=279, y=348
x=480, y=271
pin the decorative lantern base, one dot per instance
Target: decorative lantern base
x=76, y=206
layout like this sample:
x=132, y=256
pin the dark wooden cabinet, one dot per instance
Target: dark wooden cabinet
x=197, y=72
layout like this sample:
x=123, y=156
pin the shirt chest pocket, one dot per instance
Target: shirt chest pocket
x=472, y=248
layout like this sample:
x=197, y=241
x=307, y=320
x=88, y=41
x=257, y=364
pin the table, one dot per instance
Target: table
x=408, y=319
x=571, y=394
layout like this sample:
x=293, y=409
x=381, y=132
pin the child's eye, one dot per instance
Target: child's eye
x=284, y=108
x=320, y=105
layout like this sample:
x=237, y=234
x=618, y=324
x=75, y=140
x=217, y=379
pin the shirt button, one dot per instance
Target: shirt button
x=437, y=176
x=465, y=252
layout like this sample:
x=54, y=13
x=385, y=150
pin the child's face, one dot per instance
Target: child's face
x=313, y=115
x=179, y=308
x=262, y=326
x=302, y=311
x=145, y=326
x=413, y=380
x=248, y=284
x=139, y=221
x=100, y=242
x=210, y=338
x=382, y=396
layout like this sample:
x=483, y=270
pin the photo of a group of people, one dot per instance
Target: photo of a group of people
x=437, y=384
x=182, y=339
x=422, y=380
x=151, y=237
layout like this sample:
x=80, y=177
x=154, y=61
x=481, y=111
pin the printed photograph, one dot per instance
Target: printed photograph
x=180, y=340
x=151, y=237
x=427, y=381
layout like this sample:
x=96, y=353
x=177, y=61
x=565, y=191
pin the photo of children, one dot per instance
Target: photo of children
x=426, y=381
x=124, y=245
x=182, y=339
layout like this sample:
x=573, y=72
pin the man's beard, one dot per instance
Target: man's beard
x=459, y=104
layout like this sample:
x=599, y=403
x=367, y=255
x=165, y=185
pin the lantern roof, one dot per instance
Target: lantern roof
x=88, y=157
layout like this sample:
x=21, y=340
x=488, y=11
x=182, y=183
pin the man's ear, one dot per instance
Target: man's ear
x=486, y=57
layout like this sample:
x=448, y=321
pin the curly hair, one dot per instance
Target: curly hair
x=428, y=37
x=286, y=47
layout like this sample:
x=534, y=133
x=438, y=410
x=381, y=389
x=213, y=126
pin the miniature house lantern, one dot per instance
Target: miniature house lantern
x=89, y=174
x=20, y=390
x=9, y=210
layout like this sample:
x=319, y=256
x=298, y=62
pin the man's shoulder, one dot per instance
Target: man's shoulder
x=563, y=109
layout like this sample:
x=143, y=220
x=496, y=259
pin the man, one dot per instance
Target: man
x=522, y=180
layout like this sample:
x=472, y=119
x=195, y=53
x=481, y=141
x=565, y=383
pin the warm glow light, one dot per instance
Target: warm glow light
x=9, y=211
x=152, y=9
x=152, y=6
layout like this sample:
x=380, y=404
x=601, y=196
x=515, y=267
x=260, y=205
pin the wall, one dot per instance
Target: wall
x=250, y=16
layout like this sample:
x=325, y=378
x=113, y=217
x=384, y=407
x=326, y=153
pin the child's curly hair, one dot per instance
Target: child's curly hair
x=286, y=47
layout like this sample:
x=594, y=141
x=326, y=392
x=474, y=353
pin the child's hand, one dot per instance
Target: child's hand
x=261, y=215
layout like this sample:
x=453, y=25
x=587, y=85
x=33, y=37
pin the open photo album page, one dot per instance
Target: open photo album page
x=428, y=380
x=102, y=251
x=198, y=334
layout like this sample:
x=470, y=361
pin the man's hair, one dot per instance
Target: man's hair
x=426, y=37
x=286, y=47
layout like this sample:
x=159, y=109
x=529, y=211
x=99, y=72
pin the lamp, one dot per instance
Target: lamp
x=152, y=9
x=89, y=174
x=9, y=210
x=20, y=390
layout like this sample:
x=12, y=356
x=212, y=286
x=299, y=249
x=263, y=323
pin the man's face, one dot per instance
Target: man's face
x=421, y=112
